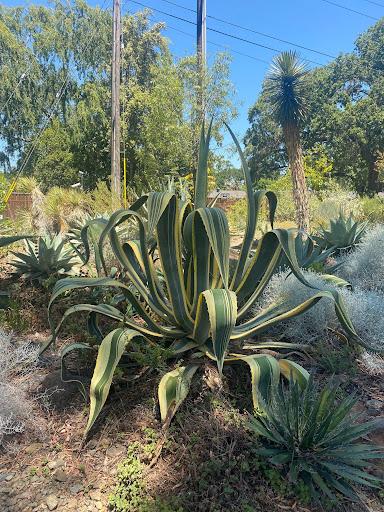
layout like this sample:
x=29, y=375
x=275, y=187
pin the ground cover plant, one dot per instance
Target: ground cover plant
x=17, y=362
x=183, y=292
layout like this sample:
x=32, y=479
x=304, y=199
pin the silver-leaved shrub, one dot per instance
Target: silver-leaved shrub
x=365, y=308
x=364, y=267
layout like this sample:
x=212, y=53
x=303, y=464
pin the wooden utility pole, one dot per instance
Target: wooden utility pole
x=115, y=138
x=201, y=54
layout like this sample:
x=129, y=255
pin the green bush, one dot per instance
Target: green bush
x=373, y=209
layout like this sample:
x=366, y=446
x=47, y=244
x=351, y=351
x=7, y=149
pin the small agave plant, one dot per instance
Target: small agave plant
x=317, y=439
x=44, y=258
x=185, y=295
x=342, y=235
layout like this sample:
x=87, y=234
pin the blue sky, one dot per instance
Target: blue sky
x=312, y=23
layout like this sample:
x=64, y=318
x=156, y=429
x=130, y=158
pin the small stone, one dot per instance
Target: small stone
x=54, y=464
x=104, y=443
x=33, y=448
x=115, y=451
x=95, y=495
x=52, y=502
x=98, y=505
x=92, y=444
x=375, y=404
x=75, y=488
x=72, y=504
x=6, y=476
x=60, y=475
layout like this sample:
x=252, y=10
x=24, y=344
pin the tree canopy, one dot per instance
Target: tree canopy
x=46, y=50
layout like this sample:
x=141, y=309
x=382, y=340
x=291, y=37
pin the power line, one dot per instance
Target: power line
x=218, y=31
x=349, y=9
x=373, y=3
x=253, y=31
x=219, y=45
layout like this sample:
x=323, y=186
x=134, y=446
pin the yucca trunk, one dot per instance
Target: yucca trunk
x=296, y=164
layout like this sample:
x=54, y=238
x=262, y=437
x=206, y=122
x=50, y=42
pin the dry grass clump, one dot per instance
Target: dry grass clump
x=17, y=362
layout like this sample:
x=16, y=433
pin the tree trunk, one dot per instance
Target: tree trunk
x=296, y=164
x=373, y=175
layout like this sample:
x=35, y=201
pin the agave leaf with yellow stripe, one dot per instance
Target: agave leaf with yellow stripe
x=173, y=389
x=111, y=349
x=265, y=373
x=215, y=319
x=294, y=371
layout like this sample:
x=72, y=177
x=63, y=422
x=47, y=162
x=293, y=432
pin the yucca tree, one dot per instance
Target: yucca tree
x=285, y=88
x=185, y=294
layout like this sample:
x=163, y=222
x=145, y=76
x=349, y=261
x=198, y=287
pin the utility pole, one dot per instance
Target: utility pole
x=115, y=138
x=201, y=54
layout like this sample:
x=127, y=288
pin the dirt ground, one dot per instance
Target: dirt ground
x=204, y=463
x=50, y=467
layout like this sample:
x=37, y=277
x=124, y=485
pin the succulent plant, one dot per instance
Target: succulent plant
x=197, y=309
x=315, y=437
x=343, y=234
x=47, y=256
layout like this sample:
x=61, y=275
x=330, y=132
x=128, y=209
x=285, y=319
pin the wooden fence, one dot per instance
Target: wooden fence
x=18, y=201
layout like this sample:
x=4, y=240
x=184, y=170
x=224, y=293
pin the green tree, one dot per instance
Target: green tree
x=345, y=116
x=266, y=154
x=285, y=88
x=52, y=46
x=227, y=176
x=53, y=158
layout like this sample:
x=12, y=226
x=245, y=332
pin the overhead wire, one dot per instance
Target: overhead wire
x=373, y=3
x=349, y=9
x=253, y=31
x=217, y=31
x=231, y=50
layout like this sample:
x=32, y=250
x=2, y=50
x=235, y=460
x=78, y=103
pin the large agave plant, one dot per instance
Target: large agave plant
x=199, y=309
x=44, y=258
x=315, y=437
x=343, y=233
